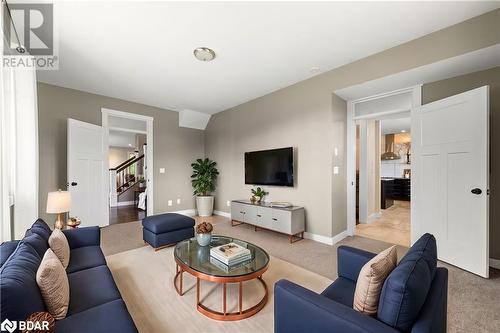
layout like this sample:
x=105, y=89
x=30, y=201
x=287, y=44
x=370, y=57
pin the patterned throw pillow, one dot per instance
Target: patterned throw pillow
x=53, y=283
x=59, y=244
x=371, y=280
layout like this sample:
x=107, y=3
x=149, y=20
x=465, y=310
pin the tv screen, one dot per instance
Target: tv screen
x=269, y=167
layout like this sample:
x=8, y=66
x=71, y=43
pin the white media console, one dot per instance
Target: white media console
x=289, y=220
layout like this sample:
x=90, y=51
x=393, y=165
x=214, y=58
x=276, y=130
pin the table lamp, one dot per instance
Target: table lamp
x=59, y=202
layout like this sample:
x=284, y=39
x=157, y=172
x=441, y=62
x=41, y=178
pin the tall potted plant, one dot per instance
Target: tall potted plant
x=203, y=180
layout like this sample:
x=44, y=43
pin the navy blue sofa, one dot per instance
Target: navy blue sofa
x=95, y=302
x=413, y=298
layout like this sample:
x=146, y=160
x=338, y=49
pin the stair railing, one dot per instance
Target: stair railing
x=122, y=178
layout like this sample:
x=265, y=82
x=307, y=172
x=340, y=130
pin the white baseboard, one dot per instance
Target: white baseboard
x=187, y=212
x=373, y=217
x=220, y=213
x=326, y=240
x=340, y=236
x=495, y=263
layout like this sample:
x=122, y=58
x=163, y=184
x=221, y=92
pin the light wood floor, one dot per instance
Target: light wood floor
x=392, y=227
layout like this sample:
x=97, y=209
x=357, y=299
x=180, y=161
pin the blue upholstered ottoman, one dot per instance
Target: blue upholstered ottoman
x=166, y=229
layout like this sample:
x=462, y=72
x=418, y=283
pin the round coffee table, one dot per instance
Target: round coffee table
x=195, y=259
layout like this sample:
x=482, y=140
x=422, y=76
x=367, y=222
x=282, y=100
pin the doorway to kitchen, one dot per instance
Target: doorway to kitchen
x=384, y=159
x=379, y=187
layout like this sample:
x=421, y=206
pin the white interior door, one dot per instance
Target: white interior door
x=450, y=177
x=87, y=175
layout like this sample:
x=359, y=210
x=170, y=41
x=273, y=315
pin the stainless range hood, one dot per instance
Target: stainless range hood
x=389, y=149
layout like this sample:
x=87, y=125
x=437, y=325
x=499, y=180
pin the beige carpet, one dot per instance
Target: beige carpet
x=145, y=280
x=473, y=302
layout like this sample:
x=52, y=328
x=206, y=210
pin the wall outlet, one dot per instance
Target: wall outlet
x=169, y=202
x=162, y=170
x=178, y=201
x=228, y=203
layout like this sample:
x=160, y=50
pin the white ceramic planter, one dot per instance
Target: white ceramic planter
x=205, y=205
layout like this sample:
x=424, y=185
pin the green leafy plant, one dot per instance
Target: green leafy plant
x=204, y=175
x=259, y=193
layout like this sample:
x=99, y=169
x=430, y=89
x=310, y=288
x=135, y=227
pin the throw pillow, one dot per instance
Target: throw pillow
x=53, y=283
x=371, y=280
x=59, y=244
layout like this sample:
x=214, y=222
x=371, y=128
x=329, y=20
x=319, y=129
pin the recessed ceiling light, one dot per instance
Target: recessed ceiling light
x=204, y=54
x=403, y=131
x=130, y=145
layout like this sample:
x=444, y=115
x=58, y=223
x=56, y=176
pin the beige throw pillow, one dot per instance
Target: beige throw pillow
x=59, y=244
x=53, y=283
x=371, y=280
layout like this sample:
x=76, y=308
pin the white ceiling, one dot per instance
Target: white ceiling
x=142, y=51
x=122, y=139
x=391, y=126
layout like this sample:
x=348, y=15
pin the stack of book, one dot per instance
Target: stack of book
x=230, y=254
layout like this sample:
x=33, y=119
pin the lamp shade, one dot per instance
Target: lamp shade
x=58, y=202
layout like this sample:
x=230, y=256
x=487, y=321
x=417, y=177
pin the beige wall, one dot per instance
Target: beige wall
x=445, y=88
x=311, y=118
x=118, y=155
x=174, y=147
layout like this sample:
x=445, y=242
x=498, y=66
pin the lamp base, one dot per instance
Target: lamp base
x=60, y=223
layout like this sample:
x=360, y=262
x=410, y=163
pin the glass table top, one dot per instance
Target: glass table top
x=197, y=257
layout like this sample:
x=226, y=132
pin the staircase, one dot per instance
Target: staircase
x=123, y=178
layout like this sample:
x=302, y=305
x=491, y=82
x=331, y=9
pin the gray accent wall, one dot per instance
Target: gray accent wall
x=174, y=147
x=310, y=117
x=441, y=89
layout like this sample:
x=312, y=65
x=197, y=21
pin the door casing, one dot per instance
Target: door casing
x=106, y=114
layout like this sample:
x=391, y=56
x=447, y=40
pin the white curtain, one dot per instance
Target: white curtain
x=18, y=150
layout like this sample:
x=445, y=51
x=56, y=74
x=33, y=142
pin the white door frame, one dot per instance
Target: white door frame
x=416, y=92
x=106, y=113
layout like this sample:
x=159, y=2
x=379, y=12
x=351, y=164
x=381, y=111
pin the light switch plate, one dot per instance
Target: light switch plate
x=335, y=170
x=228, y=203
x=178, y=201
x=169, y=202
x=162, y=170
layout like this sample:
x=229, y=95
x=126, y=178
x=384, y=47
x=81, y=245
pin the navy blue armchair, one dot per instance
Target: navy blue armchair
x=413, y=298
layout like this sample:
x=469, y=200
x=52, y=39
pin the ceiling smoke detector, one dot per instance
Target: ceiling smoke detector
x=204, y=54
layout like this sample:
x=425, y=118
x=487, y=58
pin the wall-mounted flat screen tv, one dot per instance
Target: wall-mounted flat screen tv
x=269, y=167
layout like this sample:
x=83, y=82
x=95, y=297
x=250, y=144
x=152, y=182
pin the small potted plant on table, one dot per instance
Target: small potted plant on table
x=258, y=193
x=204, y=233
